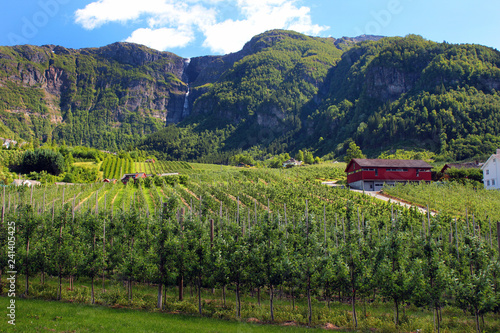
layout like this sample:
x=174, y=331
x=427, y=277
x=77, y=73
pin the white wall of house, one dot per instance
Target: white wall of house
x=491, y=172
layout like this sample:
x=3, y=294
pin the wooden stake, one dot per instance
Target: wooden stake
x=248, y=219
x=284, y=211
x=456, y=239
x=238, y=211
x=211, y=233
x=343, y=228
x=359, y=226
x=255, y=208
x=423, y=225
x=336, y=230
x=429, y=220
x=73, y=210
x=491, y=237
x=474, y=224
x=53, y=209
x=467, y=218
x=498, y=238
x=324, y=221
x=307, y=217
x=3, y=207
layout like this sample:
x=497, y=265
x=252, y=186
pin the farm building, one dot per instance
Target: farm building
x=466, y=165
x=126, y=177
x=291, y=163
x=26, y=182
x=491, y=172
x=373, y=174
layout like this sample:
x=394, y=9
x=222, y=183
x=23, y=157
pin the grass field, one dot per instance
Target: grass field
x=50, y=316
x=115, y=313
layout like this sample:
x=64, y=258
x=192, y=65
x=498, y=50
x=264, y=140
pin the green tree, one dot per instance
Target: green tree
x=300, y=156
x=42, y=160
x=353, y=152
x=308, y=157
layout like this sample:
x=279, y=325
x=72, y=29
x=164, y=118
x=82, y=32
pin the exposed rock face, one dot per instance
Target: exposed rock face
x=56, y=81
x=174, y=108
x=388, y=83
x=155, y=90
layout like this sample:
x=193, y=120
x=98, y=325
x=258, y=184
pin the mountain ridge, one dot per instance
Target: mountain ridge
x=283, y=91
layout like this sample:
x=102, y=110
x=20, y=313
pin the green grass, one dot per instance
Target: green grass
x=46, y=316
x=115, y=313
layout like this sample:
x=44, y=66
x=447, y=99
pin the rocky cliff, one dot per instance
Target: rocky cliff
x=110, y=86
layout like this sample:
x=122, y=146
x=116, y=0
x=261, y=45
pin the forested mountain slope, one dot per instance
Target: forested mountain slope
x=283, y=91
x=413, y=92
x=105, y=97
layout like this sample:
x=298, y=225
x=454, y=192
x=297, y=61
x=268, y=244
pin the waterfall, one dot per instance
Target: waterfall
x=185, y=109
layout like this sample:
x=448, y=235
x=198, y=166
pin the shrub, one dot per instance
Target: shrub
x=42, y=160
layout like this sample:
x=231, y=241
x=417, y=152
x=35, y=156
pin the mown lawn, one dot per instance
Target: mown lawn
x=51, y=316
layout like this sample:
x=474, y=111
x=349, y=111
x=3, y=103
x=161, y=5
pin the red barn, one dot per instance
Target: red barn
x=373, y=174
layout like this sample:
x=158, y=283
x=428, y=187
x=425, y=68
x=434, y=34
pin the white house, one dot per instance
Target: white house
x=292, y=162
x=26, y=182
x=491, y=172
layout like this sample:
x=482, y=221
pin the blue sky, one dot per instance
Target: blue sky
x=192, y=28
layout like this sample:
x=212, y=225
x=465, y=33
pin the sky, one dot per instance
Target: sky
x=191, y=28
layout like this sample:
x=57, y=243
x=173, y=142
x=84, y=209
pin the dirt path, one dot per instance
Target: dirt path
x=384, y=197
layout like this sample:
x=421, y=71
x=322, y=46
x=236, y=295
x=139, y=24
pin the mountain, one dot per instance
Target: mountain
x=283, y=91
x=410, y=92
x=105, y=97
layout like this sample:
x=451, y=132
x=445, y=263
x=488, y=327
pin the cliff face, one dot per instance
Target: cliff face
x=388, y=83
x=113, y=83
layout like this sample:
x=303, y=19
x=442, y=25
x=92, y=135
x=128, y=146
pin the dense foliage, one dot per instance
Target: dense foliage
x=410, y=92
x=39, y=160
x=277, y=232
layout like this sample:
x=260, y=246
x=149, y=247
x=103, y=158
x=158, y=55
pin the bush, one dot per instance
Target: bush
x=466, y=176
x=42, y=160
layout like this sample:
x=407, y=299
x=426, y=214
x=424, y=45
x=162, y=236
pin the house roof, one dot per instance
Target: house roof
x=29, y=182
x=494, y=156
x=380, y=163
x=292, y=160
x=467, y=165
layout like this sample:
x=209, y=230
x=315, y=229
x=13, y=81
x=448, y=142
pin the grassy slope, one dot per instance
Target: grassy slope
x=45, y=316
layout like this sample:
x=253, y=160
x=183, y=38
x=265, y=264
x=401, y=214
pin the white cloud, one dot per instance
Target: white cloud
x=162, y=38
x=172, y=23
x=100, y=12
x=260, y=15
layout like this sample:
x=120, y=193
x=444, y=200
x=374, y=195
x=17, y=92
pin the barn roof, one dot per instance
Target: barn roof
x=467, y=165
x=380, y=163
